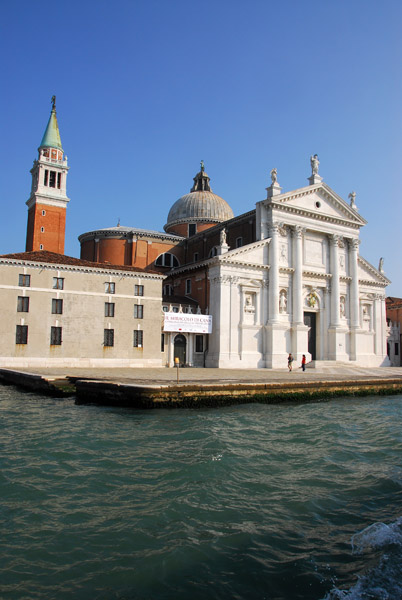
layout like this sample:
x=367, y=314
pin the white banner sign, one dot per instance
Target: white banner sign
x=188, y=323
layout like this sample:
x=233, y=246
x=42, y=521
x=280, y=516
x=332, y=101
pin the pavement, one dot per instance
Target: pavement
x=144, y=376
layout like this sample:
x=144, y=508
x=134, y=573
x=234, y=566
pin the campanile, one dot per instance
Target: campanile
x=47, y=203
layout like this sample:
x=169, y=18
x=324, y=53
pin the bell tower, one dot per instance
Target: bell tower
x=47, y=203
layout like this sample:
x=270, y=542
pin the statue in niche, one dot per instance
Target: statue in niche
x=283, y=252
x=249, y=304
x=222, y=237
x=315, y=163
x=366, y=316
x=342, y=306
x=283, y=302
x=274, y=175
x=341, y=260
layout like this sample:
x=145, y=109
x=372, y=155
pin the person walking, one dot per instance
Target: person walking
x=290, y=362
x=303, y=364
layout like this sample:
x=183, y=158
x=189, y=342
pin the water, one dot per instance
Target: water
x=247, y=502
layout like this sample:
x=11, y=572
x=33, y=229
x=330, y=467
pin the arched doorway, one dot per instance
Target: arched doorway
x=180, y=345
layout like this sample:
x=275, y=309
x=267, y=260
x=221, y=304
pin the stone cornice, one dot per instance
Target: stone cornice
x=47, y=200
x=127, y=233
x=317, y=275
x=245, y=265
x=79, y=269
x=317, y=216
x=371, y=283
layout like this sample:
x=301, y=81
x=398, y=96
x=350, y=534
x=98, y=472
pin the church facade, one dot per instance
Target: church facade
x=284, y=277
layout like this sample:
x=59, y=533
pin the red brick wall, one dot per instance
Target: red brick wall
x=54, y=225
x=119, y=251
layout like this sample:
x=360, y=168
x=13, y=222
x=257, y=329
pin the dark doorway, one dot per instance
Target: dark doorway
x=310, y=321
x=180, y=345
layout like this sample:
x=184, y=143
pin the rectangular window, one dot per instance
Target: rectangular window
x=23, y=304
x=188, y=286
x=110, y=287
x=46, y=178
x=239, y=242
x=163, y=342
x=192, y=229
x=58, y=180
x=52, y=179
x=109, y=309
x=58, y=283
x=55, y=336
x=396, y=349
x=21, y=334
x=195, y=257
x=24, y=280
x=57, y=306
x=199, y=343
x=138, y=290
x=138, y=338
x=138, y=311
x=108, y=337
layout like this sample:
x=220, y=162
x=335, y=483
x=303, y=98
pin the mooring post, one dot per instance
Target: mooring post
x=177, y=365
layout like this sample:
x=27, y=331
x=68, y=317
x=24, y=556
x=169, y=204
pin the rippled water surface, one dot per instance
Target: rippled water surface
x=246, y=502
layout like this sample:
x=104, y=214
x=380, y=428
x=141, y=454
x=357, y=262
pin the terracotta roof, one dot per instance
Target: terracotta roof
x=392, y=302
x=61, y=259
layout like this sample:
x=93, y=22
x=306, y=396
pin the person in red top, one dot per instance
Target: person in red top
x=303, y=365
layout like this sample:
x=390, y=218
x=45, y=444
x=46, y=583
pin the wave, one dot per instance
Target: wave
x=384, y=580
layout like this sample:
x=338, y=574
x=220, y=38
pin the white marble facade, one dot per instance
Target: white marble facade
x=302, y=287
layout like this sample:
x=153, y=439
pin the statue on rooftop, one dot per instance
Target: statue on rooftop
x=381, y=265
x=222, y=237
x=352, y=197
x=274, y=175
x=53, y=101
x=315, y=163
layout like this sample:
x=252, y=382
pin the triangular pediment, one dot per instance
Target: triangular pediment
x=370, y=274
x=318, y=202
x=250, y=255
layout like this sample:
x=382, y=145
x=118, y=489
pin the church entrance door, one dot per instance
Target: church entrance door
x=180, y=346
x=310, y=321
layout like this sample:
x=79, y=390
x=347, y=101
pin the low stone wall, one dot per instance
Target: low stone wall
x=193, y=396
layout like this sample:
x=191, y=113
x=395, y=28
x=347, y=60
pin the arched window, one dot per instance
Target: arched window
x=167, y=260
x=213, y=252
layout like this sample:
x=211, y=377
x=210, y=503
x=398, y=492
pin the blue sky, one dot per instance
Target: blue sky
x=147, y=88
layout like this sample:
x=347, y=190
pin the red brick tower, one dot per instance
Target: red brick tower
x=48, y=200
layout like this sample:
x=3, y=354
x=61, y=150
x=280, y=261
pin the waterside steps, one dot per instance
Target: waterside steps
x=156, y=388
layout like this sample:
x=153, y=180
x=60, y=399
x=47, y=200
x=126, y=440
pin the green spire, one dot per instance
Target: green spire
x=51, y=137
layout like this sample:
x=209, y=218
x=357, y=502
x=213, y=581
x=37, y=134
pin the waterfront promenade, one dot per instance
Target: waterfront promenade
x=149, y=388
x=165, y=376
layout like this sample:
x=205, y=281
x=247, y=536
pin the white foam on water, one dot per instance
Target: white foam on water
x=384, y=581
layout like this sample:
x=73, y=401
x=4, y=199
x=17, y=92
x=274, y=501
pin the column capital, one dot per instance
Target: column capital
x=354, y=244
x=334, y=239
x=298, y=231
x=274, y=228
